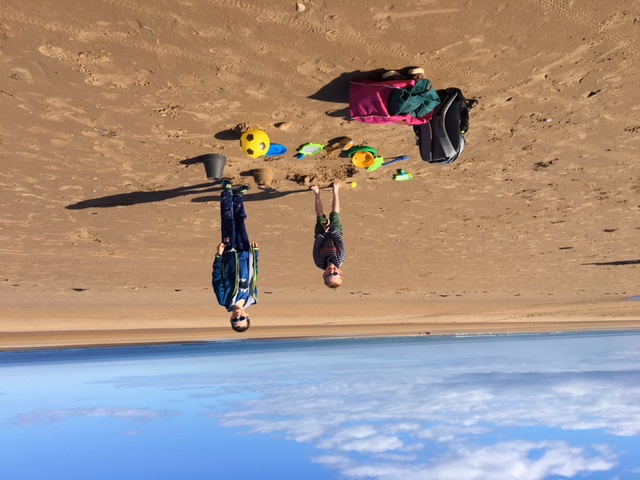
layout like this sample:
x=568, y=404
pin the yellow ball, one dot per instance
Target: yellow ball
x=255, y=143
x=354, y=184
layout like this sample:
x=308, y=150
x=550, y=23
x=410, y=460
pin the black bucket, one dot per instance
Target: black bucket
x=214, y=165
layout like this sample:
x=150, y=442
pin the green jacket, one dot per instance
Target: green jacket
x=417, y=101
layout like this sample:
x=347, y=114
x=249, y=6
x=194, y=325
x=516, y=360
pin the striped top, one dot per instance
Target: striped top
x=329, y=247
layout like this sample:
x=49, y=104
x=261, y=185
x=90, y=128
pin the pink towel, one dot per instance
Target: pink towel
x=368, y=103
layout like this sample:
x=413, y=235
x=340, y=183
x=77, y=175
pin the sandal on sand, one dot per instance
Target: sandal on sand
x=416, y=73
x=392, y=75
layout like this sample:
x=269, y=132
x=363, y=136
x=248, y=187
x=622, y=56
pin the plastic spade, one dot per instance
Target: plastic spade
x=379, y=162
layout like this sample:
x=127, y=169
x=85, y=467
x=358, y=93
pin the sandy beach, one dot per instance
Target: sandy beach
x=109, y=225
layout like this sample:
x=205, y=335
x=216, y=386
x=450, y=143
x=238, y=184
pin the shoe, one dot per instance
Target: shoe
x=227, y=184
x=392, y=75
x=416, y=73
x=241, y=189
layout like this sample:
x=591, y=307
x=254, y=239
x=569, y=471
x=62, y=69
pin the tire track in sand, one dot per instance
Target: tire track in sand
x=119, y=38
x=306, y=24
x=584, y=20
x=83, y=35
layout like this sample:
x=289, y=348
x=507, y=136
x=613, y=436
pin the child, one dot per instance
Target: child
x=235, y=268
x=328, y=247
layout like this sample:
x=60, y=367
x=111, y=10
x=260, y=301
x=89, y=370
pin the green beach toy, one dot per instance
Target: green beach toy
x=309, y=149
x=363, y=148
x=379, y=162
x=402, y=176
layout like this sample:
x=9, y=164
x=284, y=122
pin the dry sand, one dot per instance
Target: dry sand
x=109, y=227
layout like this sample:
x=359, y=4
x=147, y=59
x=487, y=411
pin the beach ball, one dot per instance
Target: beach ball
x=255, y=143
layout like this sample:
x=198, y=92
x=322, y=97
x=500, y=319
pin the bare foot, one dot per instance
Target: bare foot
x=336, y=186
x=315, y=189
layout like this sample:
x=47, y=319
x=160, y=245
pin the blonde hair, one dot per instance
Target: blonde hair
x=333, y=282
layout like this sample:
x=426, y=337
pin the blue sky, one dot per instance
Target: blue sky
x=526, y=407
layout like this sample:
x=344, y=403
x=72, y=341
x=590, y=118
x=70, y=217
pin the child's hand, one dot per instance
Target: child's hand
x=254, y=245
x=220, y=250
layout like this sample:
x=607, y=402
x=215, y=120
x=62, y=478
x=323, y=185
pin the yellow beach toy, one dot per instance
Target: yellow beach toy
x=363, y=159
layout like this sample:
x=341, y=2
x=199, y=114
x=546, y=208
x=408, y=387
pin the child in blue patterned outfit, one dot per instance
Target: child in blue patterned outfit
x=235, y=268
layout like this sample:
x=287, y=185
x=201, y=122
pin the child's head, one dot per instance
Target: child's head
x=332, y=276
x=240, y=320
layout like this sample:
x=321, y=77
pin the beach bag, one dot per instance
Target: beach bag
x=441, y=141
x=369, y=102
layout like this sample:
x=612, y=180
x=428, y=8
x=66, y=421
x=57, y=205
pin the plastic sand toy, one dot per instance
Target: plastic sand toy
x=402, y=176
x=379, y=162
x=363, y=148
x=345, y=143
x=309, y=149
x=363, y=159
x=276, y=150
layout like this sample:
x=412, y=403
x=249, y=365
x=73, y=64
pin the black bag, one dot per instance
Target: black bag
x=441, y=140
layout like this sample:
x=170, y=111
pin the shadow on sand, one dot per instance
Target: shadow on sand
x=614, y=263
x=337, y=90
x=136, y=198
x=211, y=188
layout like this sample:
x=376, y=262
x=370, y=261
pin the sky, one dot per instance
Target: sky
x=469, y=407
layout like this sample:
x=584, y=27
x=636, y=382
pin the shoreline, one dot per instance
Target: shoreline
x=51, y=321
x=63, y=340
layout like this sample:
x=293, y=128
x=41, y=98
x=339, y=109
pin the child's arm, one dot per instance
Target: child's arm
x=316, y=249
x=338, y=241
x=217, y=283
x=256, y=254
x=217, y=266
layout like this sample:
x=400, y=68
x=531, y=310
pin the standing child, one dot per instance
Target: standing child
x=328, y=247
x=235, y=268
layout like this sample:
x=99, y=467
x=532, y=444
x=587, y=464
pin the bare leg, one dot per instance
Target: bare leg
x=335, y=205
x=318, y=201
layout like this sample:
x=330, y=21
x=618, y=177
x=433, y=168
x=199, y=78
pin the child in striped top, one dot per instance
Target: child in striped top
x=328, y=246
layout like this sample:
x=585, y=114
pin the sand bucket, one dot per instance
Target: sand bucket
x=214, y=165
x=263, y=176
x=363, y=159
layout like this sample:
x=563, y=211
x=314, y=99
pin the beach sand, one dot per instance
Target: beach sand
x=109, y=226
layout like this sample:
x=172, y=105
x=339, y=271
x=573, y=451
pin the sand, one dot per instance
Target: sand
x=109, y=225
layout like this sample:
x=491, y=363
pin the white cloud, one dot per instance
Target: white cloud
x=386, y=414
x=56, y=415
x=507, y=460
x=373, y=444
